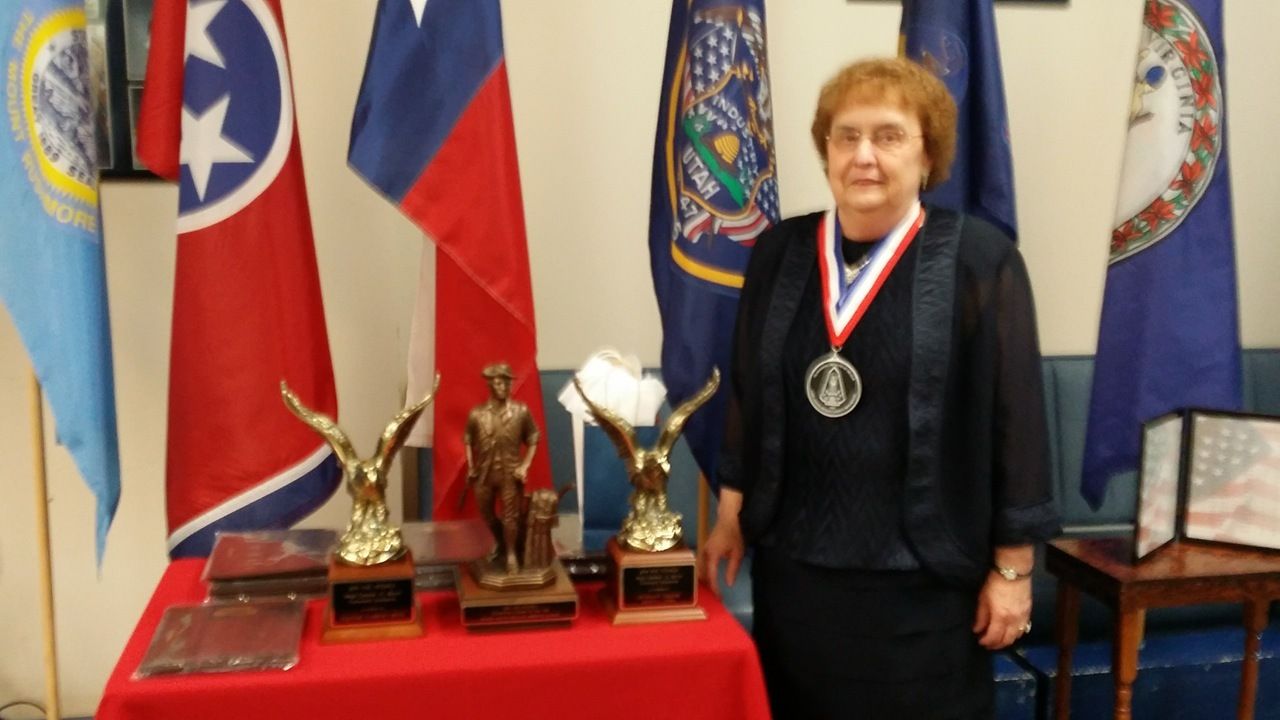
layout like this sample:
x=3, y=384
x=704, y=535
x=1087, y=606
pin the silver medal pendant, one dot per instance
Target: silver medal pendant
x=832, y=385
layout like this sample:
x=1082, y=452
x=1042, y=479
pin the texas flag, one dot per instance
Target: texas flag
x=218, y=118
x=432, y=131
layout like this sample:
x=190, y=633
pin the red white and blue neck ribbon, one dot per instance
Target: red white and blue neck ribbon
x=844, y=304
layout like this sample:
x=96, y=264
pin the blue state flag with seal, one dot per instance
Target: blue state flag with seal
x=1169, y=336
x=715, y=189
x=956, y=40
x=52, y=275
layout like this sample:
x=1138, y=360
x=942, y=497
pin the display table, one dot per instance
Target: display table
x=702, y=670
x=1178, y=574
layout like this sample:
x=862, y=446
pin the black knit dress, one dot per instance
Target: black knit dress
x=847, y=621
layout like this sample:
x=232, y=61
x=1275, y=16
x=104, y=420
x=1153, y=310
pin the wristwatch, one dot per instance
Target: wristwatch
x=1009, y=573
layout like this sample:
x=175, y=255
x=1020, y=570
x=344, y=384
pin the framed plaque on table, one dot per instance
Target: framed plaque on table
x=1209, y=475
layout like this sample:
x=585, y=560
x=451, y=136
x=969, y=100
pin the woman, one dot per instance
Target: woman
x=886, y=449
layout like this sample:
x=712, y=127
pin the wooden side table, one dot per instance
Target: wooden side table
x=1182, y=573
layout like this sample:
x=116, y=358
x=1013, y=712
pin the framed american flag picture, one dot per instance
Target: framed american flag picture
x=1159, y=482
x=1233, y=479
x=1209, y=475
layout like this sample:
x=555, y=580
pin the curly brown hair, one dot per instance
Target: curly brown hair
x=901, y=82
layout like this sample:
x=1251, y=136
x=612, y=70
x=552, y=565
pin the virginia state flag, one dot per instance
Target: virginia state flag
x=218, y=118
x=51, y=259
x=1170, y=333
x=715, y=189
x=956, y=39
x=432, y=131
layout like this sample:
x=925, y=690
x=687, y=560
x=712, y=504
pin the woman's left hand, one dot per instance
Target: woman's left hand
x=1004, y=611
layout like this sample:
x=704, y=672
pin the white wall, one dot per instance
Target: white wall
x=584, y=77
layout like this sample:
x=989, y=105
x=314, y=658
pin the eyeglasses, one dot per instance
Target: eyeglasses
x=885, y=139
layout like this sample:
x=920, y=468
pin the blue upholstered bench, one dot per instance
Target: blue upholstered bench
x=1190, y=674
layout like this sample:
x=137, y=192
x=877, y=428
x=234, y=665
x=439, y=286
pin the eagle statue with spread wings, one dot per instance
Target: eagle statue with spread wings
x=370, y=539
x=650, y=526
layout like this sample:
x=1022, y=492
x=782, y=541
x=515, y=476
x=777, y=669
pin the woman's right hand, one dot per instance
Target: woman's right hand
x=724, y=543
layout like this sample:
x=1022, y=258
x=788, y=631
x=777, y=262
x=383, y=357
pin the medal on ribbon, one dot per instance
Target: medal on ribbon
x=831, y=382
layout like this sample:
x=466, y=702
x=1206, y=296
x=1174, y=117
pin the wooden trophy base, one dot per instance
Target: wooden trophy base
x=647, y=587
x=487, y=609
x=374, y=602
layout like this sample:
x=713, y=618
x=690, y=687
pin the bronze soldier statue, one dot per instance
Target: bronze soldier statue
x=500, y=439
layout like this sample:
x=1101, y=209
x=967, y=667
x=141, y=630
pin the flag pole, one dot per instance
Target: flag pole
x=52, y=710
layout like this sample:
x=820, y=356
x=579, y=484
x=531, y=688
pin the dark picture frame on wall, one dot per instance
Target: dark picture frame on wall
x=119, y=32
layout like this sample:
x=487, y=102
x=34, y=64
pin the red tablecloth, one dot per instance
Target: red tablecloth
x=691, y=670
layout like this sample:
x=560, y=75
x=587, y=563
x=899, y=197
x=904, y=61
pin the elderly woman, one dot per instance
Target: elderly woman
x=885, y=453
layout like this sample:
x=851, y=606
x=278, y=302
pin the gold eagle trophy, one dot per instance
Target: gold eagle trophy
x=653, y=577
x=371, y=573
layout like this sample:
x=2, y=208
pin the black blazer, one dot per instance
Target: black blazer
x=978, y=460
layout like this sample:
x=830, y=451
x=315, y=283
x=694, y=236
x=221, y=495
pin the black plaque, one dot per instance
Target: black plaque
x=658, y=586
x=372, y=601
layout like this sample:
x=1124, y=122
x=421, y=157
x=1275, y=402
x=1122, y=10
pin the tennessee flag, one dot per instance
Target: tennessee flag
x=218, y=118
x=432, y=131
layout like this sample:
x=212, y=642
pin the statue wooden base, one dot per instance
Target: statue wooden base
x=484, y=608
x=493, y=576
x=374, y=602
x=652, y=587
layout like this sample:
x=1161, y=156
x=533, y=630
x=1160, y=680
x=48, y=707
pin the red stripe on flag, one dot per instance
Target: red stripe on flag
x=468, y=200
